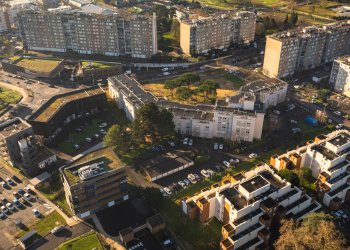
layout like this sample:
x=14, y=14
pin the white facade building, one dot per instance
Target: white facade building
x=340, y=76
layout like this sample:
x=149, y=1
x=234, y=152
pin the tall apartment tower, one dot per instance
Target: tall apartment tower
x=303, y=49
x=217, y=31
x=340, y=76
x=91, y=30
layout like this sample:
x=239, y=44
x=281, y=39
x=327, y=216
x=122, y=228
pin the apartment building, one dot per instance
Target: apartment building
x=19, y=148
x=89, y=30
x=9, y=11
x=207, y=121
x=94, y=181
x=59, y=111
x=305, y=48
x=246, y=204
x=328, y=158
x=199, y=35
x=340, y=75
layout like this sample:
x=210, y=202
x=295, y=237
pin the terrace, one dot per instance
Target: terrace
x=105, y=155
x=97, y=65
x=41, y=65
x=55, y=103
x=235, y=198
x=254, y=184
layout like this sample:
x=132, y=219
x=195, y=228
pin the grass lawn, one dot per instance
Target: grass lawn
x=97, y=64
x=44, y=225
x=79, y=137
x=35, y=64
x=86, y=241
x=8, y=97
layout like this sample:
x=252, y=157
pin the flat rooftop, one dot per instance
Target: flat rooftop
x=263, y=85
x=330, y=155
x=55, y=103
x=105, y=157
x=254, y=183
x=340, y=140
x=235, y=197
x=38, y=64
x=12, y=127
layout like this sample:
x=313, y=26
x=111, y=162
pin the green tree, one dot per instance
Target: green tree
x=184, y=93
x=290, y=176
x=294, y=18
x=208, y=87
x=317, y=231
x=152, y=124
x=323, y=94
x=116, y=137
x=188, y=79
x=171, y=85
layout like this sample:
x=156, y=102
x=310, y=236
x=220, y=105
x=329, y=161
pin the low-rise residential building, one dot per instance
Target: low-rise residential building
x=328, y=158
x=60, y=110
x=94, y=181
x=32, y=67
x=340, y=75
x=19, y=147
x=199, y=35
x=89, y=30
x=207, y=121
x=246, y=204
x=306, y=48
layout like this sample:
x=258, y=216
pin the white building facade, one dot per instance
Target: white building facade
x=340, y=76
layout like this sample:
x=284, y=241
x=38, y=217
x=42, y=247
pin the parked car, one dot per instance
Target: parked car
x=4, y=209
x=186, y=182
x=185, y=141
x=192, y=178
x=4, y=184
x=339, y=126
x=221, y=146
x=226, y=163
x=168, y=191
x=210, y=172
x=103, y=125
x=293, y=122
x=296, y=130
x=57, y=229
x=190, y=142
x=36, y=213
x=10, y=182
x=88, y=139
x=96, y=136
x=233, y=161
x=10, y=206
x=277, y=112
x=216, y=146
x=337, y=112
x=2, y=215
x=218, y=168
x=166, y=73
x=253, y=155
x=182, y=184
x=205, y=173
x=28, y=197
x=171, y=143
x=198, y=178
x=76, y=146
x=16, y=194
x=102, y=131
x=78, y=130
x=17, y=203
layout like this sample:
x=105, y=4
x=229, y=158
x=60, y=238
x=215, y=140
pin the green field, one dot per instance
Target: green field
x=35, y=64
x=44, y=225
x=8, y=97
x=87, y=241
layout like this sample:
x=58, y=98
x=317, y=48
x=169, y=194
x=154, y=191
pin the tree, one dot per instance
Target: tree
x=317, y=231
x=294, y=18
x=290, y=176
x=152, y=124
x=304, y=174
x=184, y=93
x=115, y=137
x=188, y=79
x=171, y=85
x=323, y=94
x=208, y=87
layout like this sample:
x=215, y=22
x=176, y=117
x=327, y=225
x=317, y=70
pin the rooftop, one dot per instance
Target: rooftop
x=45, y=112
x=340, y=140
x=330, y=155
x=235, y=197
x=36, y=64
x=12, y=127
x=263, y=85
x=254, y=183
x=105, y=159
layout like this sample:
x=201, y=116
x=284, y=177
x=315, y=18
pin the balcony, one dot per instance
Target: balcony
x=246, y=232
x=297, y=203
x=312, y=208
x=251, y=244
x=247, y=217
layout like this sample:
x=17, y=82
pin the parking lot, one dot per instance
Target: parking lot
x=24, y=214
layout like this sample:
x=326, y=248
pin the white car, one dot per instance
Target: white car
x=337, y=112
x=339, y=126
x=4, y=209
x=202, y=67
x=277, y=112
x=190, y=142
x=293, y=122
x=205, y=173
x=165, y=69
x=88, y=139
x=166, y=73
x=182, y=184
x=10, y=206
x=221, y=146
x=102, y=131
x=27, y=197
x=167, y=191
x=252, y=155
x=210, y=172
x=103, y=125
x=226, y=163
x=233, y=161
x=185, y=142
x=216, y=146
x=171, y=143
x=192, y=178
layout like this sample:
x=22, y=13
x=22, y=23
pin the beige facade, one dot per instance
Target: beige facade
x=303, y=49
x=92, y=30
x=340, y=76
x=201, y=34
